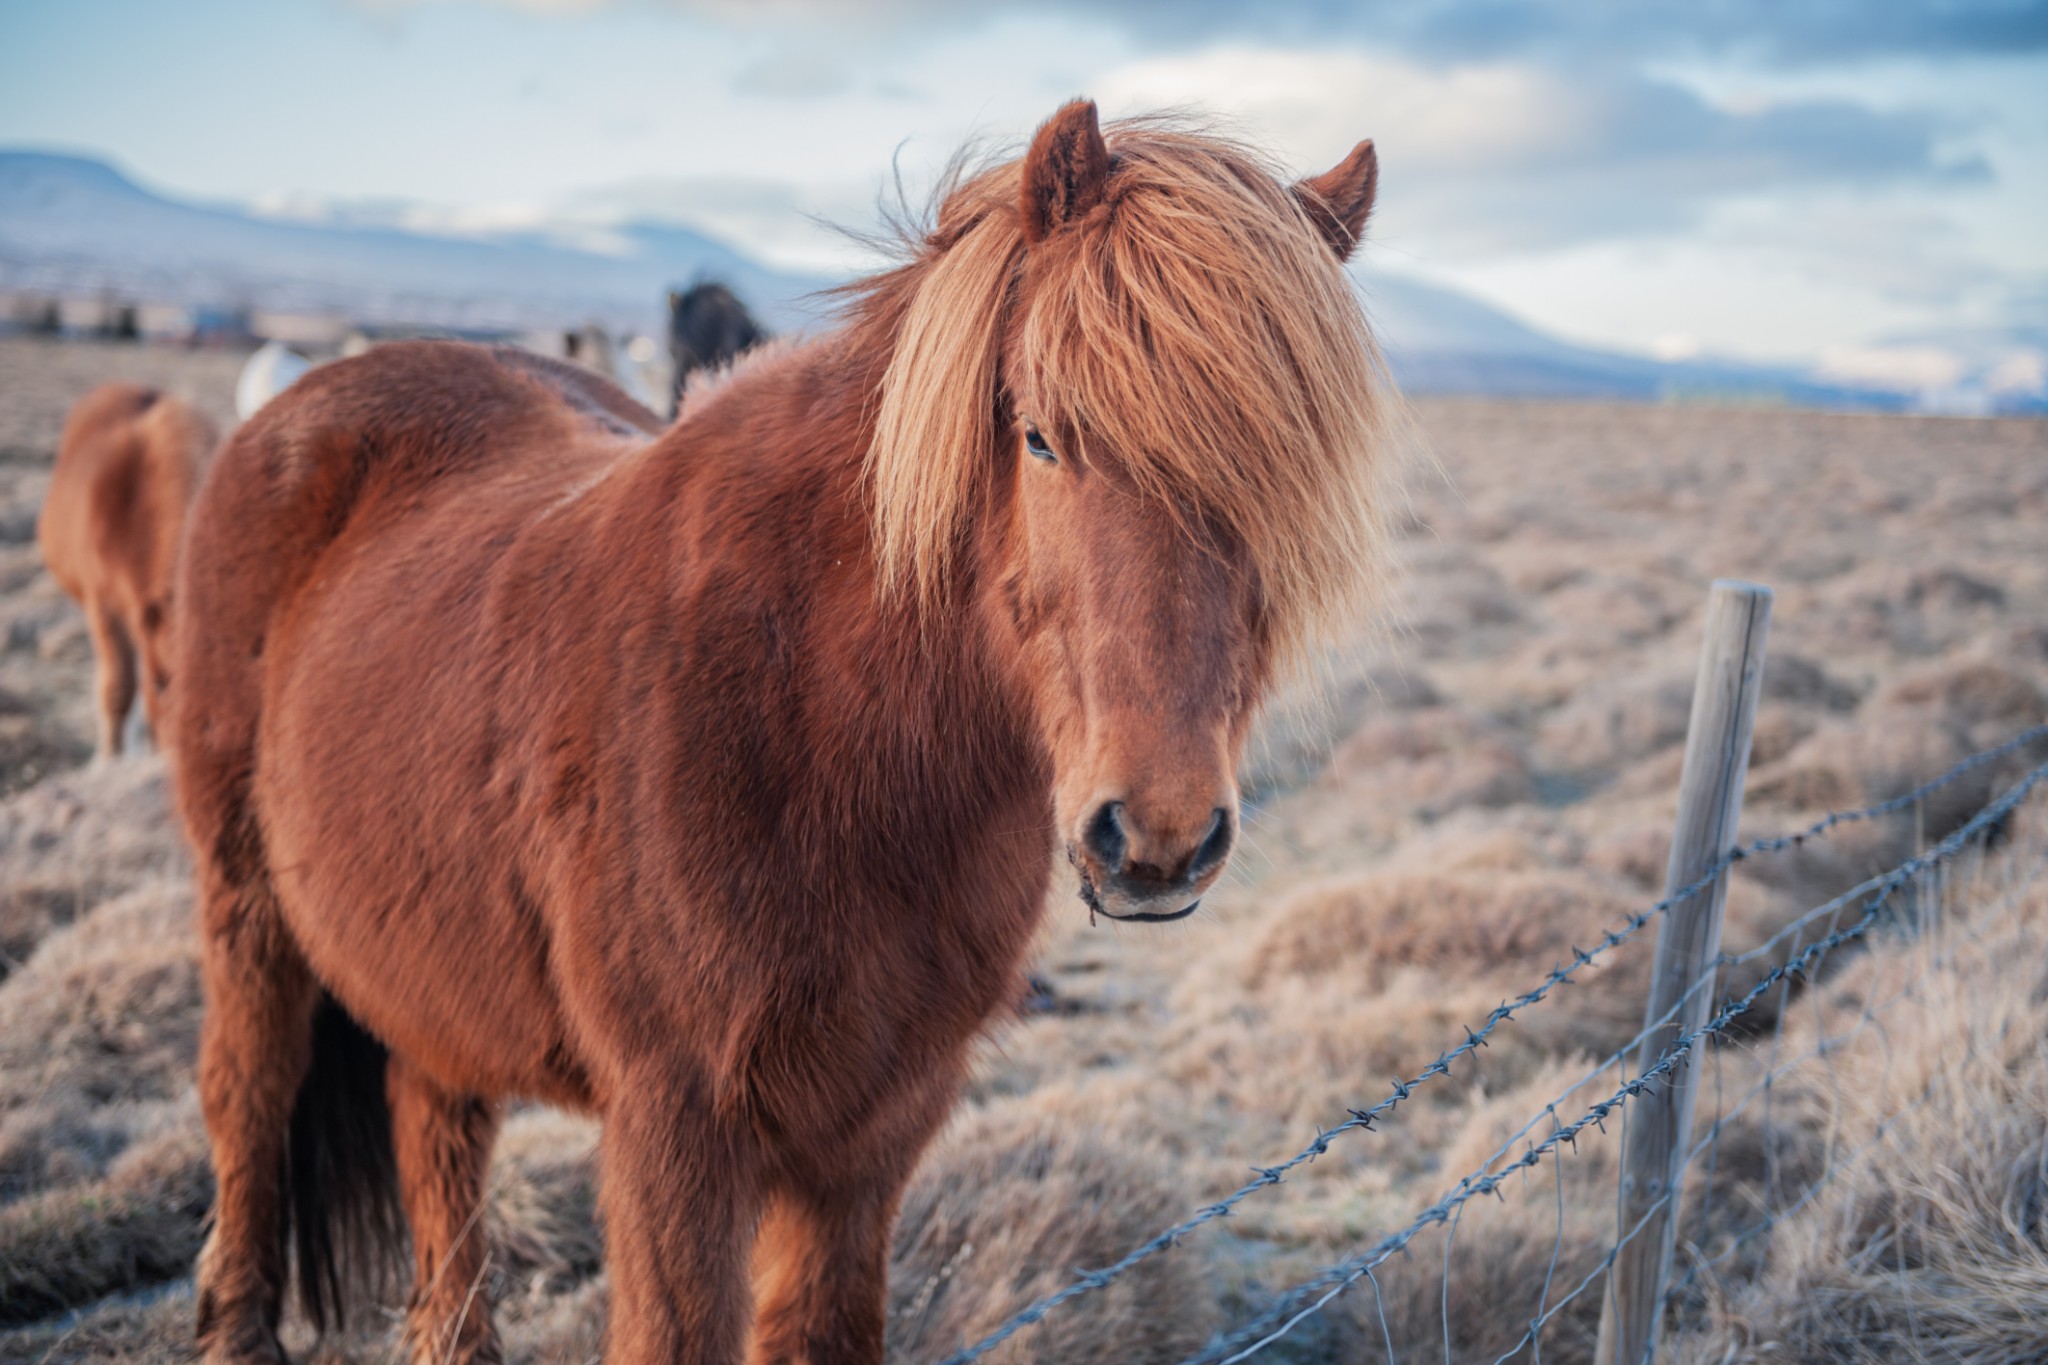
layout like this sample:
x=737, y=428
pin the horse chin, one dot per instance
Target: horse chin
x=1140, y=913
x=1156, y=916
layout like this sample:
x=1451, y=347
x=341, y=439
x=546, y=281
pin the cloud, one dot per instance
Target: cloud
x=810, y=75
x=1890, y=367
x=549, y=7
x=1900, y=251
x=477, y=221
x=1563, y=143
x=1789, y=32
x=1751, y=175
x=784, y=224
x=1794, y=32
x=1508, y=156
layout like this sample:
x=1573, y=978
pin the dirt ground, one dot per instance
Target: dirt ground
x=1469, y=795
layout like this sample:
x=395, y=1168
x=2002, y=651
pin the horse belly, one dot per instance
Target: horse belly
x=448, y=987
x=396, y=878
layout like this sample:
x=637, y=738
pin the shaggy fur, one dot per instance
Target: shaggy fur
x=616, y=775
x=1248, y=394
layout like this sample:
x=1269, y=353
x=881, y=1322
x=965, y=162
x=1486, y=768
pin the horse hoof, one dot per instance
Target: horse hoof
x=477, y=1352
x=259, y=1347
x=223, y=1340
x=431, y=1338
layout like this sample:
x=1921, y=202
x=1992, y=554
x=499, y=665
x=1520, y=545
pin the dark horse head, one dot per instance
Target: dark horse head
x=1133, y=398
x=707, y=327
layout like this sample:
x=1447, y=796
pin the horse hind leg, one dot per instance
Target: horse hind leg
x=292, y=1090
x=255, y=1049
x=114, y=651
x=443, y=1141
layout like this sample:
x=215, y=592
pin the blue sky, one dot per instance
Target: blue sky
x=1773, y=180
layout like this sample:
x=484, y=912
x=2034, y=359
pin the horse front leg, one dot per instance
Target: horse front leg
x=681, y=1194
x=822, y=1274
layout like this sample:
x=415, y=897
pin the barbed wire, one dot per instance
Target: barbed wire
x=1336, y=1278
x=1813, y=1191
x=1901, y=801
x=1288, y=1311
x=1970, y=938
x=1792, y=927
x=1546, y=1310
x=1825, y=1047
x=1266, y=1177
x=1613, y=1253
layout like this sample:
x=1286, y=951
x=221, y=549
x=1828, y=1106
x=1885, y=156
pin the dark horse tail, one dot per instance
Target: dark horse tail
x=346, y=1223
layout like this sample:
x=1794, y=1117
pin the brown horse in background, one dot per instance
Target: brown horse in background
x=127, y=468
x=713, y=784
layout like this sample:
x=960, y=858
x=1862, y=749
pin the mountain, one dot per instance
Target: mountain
x=1440, y=341
x=70, y=225
x=1976, y=370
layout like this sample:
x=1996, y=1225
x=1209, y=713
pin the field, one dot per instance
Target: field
x=1487, y=783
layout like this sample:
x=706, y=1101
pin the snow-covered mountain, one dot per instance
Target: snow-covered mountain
x=1959, y=370
x=1438, y=340
x=71, y=225
x=74, y=226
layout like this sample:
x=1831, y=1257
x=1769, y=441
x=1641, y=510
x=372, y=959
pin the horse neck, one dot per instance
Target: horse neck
x=939, y=691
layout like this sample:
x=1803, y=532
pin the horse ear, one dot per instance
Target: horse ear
x=1066, y=170
x=1340, y=199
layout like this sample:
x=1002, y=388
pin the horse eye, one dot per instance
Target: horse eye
x=1036, y=444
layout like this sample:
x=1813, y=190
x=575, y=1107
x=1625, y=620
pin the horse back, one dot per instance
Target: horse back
x=126, y=469
x=353, y=446
x=584, y=390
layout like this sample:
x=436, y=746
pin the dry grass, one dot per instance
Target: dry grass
x=1445, y=819
x=1453, y=924
x=1929, y=1239
x=1014, y=1199
x=75, y=839
x=1499, y=1272
x=142, y=1223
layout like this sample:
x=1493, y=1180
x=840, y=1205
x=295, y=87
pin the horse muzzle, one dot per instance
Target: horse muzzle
x=1128, y=874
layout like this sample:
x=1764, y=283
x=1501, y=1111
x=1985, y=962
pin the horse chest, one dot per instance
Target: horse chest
x=864, y=1055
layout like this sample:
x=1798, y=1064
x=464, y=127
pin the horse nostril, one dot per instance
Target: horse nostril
x=1215, y=846
x=1104, y=837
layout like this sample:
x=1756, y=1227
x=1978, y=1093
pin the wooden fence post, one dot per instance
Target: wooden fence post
x=1688, y=943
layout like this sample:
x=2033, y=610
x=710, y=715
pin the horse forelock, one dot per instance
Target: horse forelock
x=1193, y=327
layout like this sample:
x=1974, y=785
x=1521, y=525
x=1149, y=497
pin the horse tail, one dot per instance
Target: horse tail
x=346, y=1221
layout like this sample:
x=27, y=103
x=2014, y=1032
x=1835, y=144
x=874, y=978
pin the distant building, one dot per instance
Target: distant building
x=224, y=327
x=302, y=331
x=361, y=336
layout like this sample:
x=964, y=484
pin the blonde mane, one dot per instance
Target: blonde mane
x=1195, y=323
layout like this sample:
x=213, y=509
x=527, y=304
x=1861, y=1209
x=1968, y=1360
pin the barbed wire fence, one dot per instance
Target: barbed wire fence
x=1909, y=897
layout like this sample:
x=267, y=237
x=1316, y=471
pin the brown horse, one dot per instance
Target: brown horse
x=128, y=465
x=713, y=784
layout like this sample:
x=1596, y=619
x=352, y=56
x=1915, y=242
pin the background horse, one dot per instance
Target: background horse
x=126, y=470
x=268, y=372
x=714, y=783
x=708, y=327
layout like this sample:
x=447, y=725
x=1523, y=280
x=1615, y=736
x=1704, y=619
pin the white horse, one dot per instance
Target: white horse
x=268, y=373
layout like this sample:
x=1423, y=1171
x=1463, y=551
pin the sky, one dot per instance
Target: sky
x=1777, y=181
